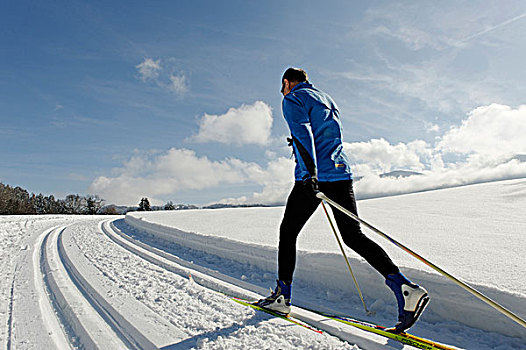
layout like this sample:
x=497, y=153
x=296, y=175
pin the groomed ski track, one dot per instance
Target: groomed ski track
x=97, y=287
x=81, y=309
x=80, y=313
x=76, y=314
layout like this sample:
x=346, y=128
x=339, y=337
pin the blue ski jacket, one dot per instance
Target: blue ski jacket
x=314, y=123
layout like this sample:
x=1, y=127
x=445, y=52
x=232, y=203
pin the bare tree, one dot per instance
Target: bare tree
x=74, y=204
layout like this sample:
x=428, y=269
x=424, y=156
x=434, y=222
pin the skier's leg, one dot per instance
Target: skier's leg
x=299, y=208
x=411, y=298
x=342, y=193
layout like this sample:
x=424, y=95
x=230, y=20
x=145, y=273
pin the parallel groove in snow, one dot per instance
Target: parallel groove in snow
x=125, y=331
x=78, y=317
x=40, y=271
x=209, y=319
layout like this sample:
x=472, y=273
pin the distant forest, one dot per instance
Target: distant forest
x=16, y=200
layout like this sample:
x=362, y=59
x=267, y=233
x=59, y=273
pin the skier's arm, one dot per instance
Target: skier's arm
x=303, y=141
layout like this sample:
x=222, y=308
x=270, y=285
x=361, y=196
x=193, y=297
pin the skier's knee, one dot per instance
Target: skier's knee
x=355, y=241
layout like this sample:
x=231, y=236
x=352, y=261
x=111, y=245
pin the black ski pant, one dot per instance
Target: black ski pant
x=302, y=203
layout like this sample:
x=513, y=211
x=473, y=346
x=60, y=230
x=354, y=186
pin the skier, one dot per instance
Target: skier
x=321, y=165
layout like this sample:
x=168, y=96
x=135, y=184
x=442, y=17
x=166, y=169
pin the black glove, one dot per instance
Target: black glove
x=311, y=186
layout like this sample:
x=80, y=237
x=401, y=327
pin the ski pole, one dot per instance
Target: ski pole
x=470, y=289
x=369, y=313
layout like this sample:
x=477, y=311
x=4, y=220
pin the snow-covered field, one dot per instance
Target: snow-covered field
x=131, y=285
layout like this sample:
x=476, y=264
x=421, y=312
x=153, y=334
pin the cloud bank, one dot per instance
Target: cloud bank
x=483, y=148
x=155, y=175
x=493, y=130
x=480, y=149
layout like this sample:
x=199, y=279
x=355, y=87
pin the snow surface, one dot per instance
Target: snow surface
x=172, y=311
x=22, y=325
x=474, y=232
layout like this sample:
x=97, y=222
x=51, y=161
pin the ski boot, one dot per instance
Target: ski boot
x=279, y=300
x=412, y=300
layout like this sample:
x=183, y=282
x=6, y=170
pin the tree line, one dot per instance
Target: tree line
x=144, y=205
x=16, y=201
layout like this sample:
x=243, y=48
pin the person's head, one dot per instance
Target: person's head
x=292, y=77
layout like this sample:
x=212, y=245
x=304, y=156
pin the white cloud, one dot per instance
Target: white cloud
x=489, y=134
x=484, y=144
x=432, y=127
x=494, y=130
x=154, y=71
x=160, y=174
x=276, y=179
x=149, y=69
x=381, y=156
x=248, y=124
x=178, y=83
x=153, y=175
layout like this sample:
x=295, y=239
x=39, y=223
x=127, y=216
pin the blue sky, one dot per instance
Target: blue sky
x=179, y=100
